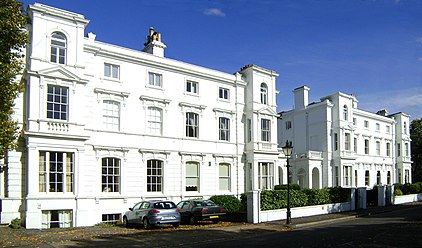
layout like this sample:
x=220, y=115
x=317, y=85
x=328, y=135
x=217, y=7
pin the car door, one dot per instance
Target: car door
x=132, y=215
x=143, y=210
x=185, y=210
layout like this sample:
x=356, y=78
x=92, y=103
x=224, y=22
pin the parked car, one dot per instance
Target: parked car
x=193, y=211
x=151, y=213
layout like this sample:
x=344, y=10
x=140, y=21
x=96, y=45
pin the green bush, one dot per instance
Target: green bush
x=15, y=223
x=229, y=202
x=398, y=192
x=277, y=199
x=317, y=196
x=284, y=187
x=339, y=194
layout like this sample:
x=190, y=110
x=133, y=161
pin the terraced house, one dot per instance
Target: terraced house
x=105, y=127
x=338, y=144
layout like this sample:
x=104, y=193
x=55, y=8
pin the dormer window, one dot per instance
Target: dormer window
x=264, y=93
x=58, y=48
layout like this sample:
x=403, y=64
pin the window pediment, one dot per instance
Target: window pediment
x=58, y=72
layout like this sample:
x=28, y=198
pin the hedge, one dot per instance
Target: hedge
x=229, y=202
x=408, y=188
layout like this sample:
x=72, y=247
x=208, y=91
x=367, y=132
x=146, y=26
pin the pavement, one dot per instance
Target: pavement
x=303, y=222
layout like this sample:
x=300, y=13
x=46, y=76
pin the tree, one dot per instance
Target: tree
x=13, y=39
x=416, y=136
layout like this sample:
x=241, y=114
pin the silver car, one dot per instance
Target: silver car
x=151, y=213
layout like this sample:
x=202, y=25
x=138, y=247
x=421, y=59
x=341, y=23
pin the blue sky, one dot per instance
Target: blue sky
x=371, y=48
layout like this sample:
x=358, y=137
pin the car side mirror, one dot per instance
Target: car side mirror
x=130, y=209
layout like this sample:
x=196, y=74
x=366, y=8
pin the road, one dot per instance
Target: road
x=402, y=228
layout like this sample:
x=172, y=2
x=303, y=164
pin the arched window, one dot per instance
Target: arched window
x=110, y=175
x=58, y=48
x=345, y=113
x=154, y=175
x=264, y=93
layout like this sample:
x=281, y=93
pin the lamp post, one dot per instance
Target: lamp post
x=287, y=149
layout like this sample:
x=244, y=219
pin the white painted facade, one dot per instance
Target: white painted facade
x=337, y=144
x=105, y=127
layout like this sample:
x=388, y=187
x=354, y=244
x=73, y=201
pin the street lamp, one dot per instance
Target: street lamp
x=287, y=149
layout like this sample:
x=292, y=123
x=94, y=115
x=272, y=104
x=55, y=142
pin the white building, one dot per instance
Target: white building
x=105, y=127
x=337, y=144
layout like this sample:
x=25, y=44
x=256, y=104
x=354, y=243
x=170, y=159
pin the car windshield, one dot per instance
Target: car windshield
x=164, y=205
x=205, y=203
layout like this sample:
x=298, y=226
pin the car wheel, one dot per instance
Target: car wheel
x=176, y=224
x=192, y=220
x=125, y=222
x=145, y=224
x=215, y=221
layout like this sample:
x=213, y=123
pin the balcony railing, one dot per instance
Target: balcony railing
x=58, y=127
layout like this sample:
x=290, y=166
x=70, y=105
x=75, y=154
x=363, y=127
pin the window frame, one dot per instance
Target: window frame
x=111, y=116
x=224, y=93
x=155, y=83
x=56, y=107
x=155, y=122
x=265, y=130
x=110, y=180
x=366, y=146
x=58, y=52
x=347, y=176
x=224, y=178
x=192, y=128
x=155, y=175
x=63, y=174
x=192, y=187
x=192, y=87
x=264, y=93
x=224, y=129
x=109, y=71
x=265, y=175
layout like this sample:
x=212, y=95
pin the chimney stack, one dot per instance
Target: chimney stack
x=301, y=97
x=153, y=44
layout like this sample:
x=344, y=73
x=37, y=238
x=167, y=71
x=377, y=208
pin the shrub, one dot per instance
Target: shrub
x=339, y=194
x=284, y=187
x=277, y=199
x=15, y=223
x=317, y=196
x=398, y=192
x=243, y=202
x=229, y=202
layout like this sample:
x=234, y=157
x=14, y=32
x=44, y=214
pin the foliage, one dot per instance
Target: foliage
x=284, y=187
x=317, y=196
x=407, y=189
x=398, y=192
x=416, y=149
x=229, y=202
x=276, y=199
x=339, y=194
x=105, y=224
x=13, y=39
x=15, y=223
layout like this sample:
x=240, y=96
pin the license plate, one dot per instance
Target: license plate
x=168, y=218
x=213, y=217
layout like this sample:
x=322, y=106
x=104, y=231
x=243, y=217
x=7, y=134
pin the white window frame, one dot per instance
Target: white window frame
x=347, y=141
x=111, y=114
x=345, y=113
x=265, y=130
x=50, y=166
x=367, y=178
x=155, y=175
x=265, y=175
x=224, y=93
x=224, y=181
x=366, y=146
x=192, y=125
x=64, y=218
x=192, y=87
x=57, y=110
x=366, y=124
x=347, y=175
x=378, y=148
x=58, y=48
x=224, y=128
x=264, y=93
x=110, y=174
x=192, y=176
x=111, y=71
x=155, y=120
x=388, y=149
x=155, y=80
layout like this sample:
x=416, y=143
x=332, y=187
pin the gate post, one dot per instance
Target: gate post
x=390, y=195
x=381, y=195
x=253, y=206
x=361, y=198
x=353, y=199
